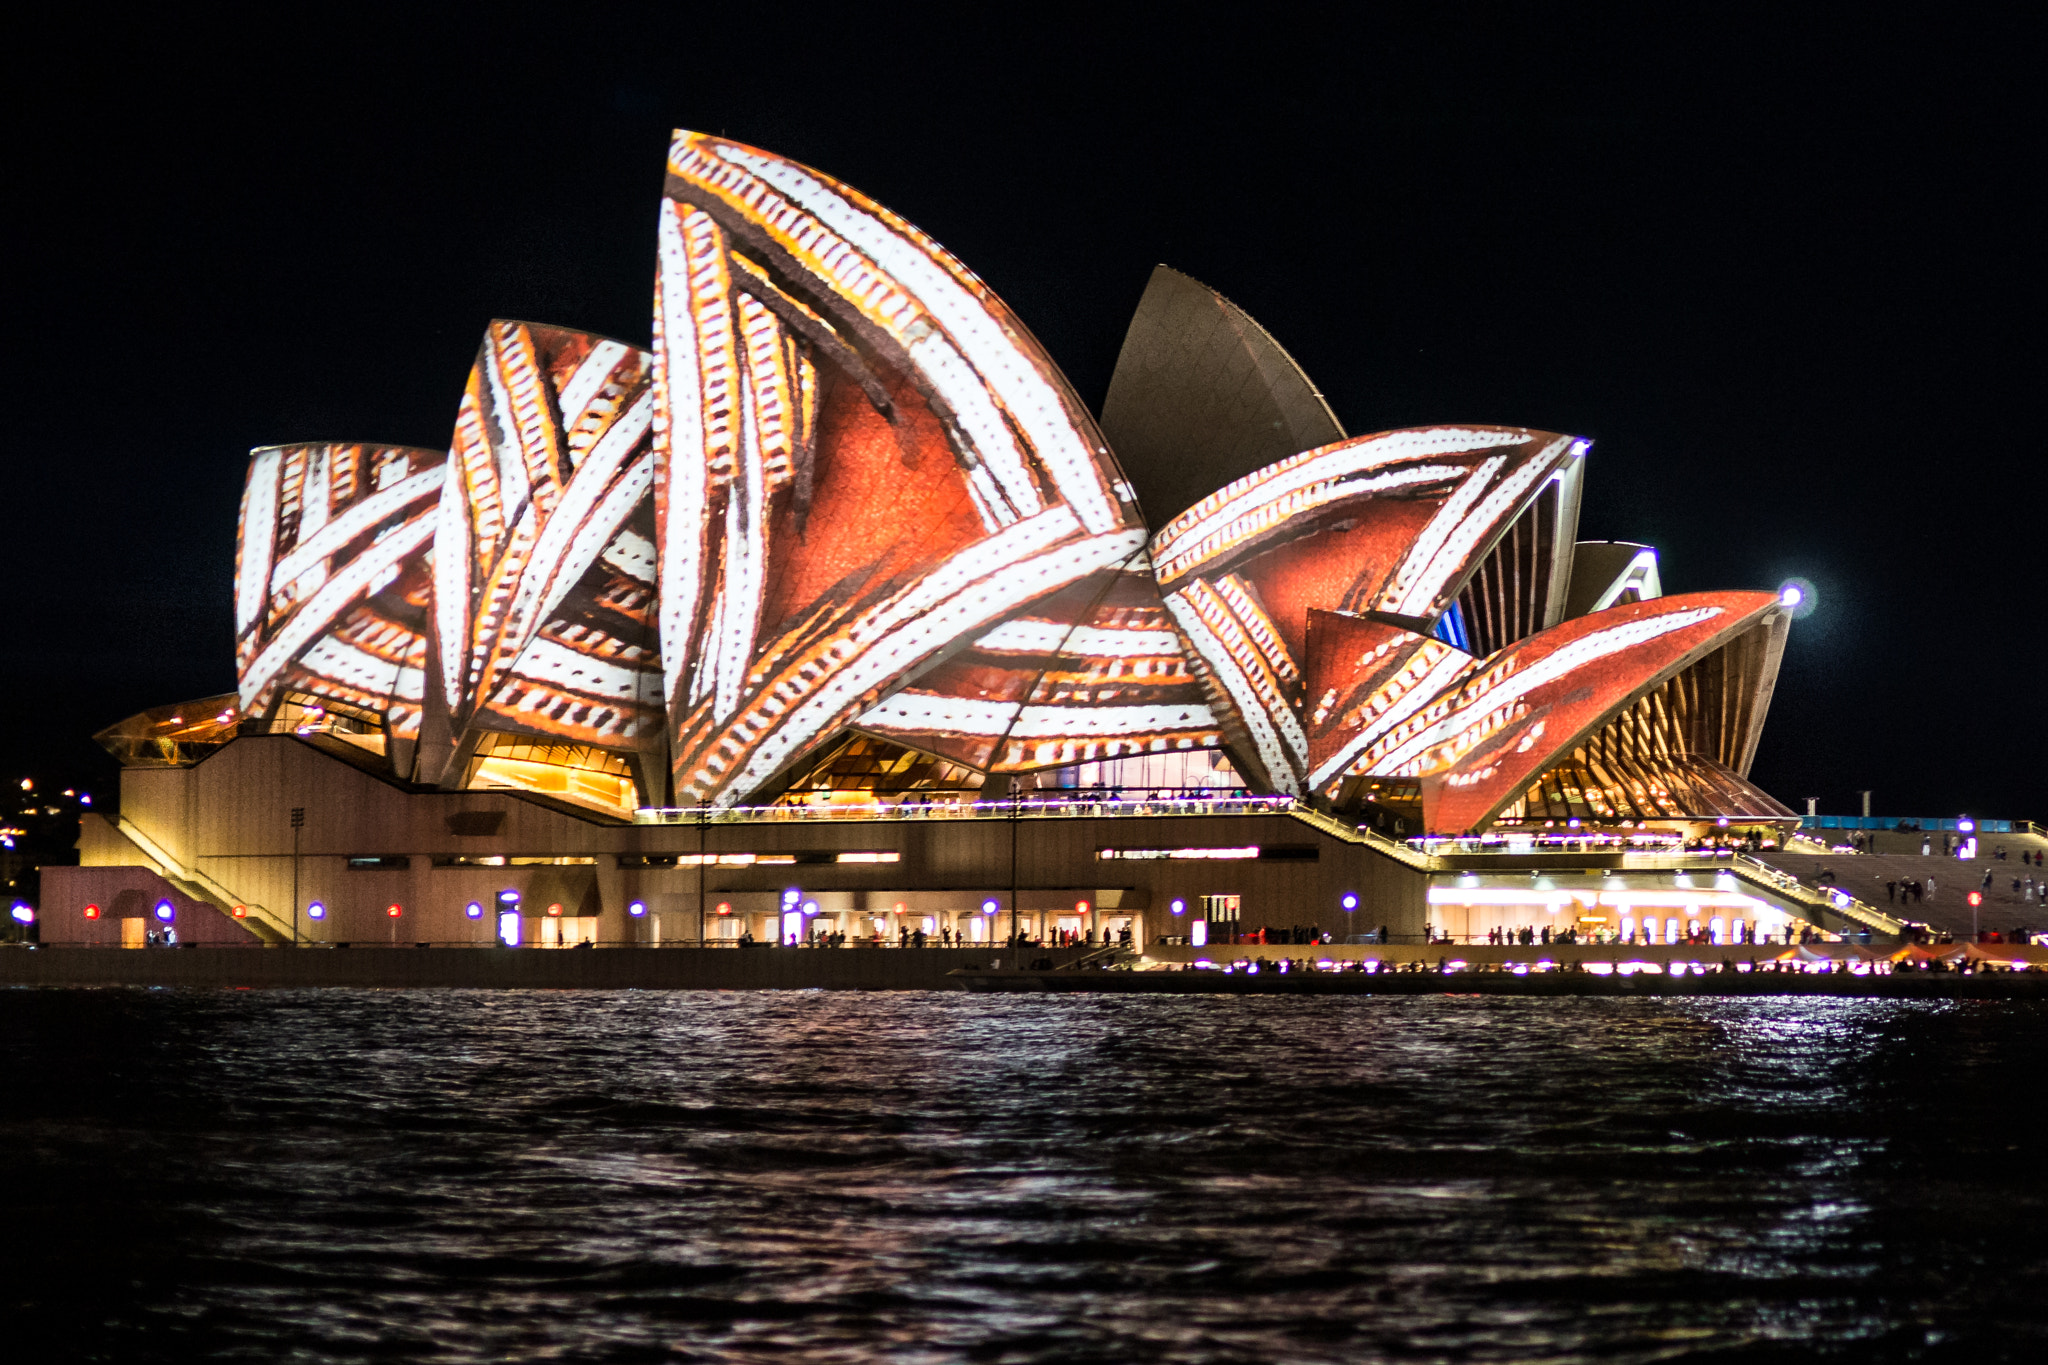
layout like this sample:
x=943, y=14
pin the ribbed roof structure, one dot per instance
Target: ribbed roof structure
x=846, y=507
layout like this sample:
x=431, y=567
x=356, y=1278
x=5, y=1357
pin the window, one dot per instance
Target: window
x=379, y=864
x=1180, y=854
x=579, y=773
x=564, y=931
x=664, y=860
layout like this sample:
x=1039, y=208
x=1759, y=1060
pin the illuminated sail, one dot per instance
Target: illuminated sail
x=1390, y=525
x=544, y=583
x=332, y=578
x=864, y=463
x=1476, y=746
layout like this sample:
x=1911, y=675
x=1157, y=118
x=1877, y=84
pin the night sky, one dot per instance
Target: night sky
x=1784, y=276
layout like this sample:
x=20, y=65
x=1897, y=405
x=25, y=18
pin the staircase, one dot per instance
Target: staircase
x=190, y=881
x=1947, y=908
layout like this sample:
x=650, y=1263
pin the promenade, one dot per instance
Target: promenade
x=846, y=969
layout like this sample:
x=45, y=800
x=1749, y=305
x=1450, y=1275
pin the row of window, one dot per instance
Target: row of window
x=400, y=862
x=1266, y=853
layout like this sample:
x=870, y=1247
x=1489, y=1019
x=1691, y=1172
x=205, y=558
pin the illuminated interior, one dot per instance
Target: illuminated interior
x=862, y=769
x=173, y=736
x=1472, y=908
x=302, y=713
x=577, y=773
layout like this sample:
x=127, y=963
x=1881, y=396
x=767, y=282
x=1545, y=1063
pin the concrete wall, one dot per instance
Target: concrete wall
x=128, y=893
x=229, y=817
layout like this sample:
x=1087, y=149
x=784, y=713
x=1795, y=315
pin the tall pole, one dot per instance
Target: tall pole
x=298, y=822
x=1015, y=811
x=700, y=875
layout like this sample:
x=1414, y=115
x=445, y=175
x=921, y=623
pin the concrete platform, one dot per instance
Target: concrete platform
x=870, y=969
x=2030, y=986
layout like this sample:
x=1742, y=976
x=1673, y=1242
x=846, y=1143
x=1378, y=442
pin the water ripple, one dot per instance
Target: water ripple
x=454, y=1176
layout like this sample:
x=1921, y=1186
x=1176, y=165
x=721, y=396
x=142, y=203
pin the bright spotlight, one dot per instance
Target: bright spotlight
x=1797, y=597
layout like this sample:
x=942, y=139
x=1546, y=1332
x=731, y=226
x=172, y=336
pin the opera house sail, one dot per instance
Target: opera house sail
x=844, y=534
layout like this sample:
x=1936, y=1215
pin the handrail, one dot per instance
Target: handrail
x=1016, y=809
x=1837, y=900
x=1371, y=838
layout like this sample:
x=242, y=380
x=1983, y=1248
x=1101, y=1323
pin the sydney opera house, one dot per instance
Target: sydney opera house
x=836, y=612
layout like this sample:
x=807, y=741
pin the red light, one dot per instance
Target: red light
x=725, y=907
x=555, y=909
x=92, y=912
x=392, y=911
x=1976, y=898
x=241, y=912
x=1080, y=907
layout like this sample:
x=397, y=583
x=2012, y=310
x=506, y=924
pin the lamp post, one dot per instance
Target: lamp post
x=1350, y=904
x=1016, y=810
x=700, y=873
x=298, y=823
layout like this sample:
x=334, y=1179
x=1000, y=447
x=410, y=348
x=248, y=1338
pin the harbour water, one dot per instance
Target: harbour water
x=590, y=1176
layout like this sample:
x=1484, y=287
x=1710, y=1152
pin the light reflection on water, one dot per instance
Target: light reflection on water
x=443, y=1175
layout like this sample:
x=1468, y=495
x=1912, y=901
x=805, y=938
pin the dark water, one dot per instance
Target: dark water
x=457, y=1176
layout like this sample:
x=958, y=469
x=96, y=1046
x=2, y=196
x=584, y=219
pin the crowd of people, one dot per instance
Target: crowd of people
x=1739, y=931
x=945, y=937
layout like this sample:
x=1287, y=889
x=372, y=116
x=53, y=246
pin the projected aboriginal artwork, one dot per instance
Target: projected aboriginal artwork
x=1092, y=672
x=845, y=533
x=332, y=578
x=865, y=462
x=1390, y=525
x=1365, y=677
x=1521, y=709
x=544, y=577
